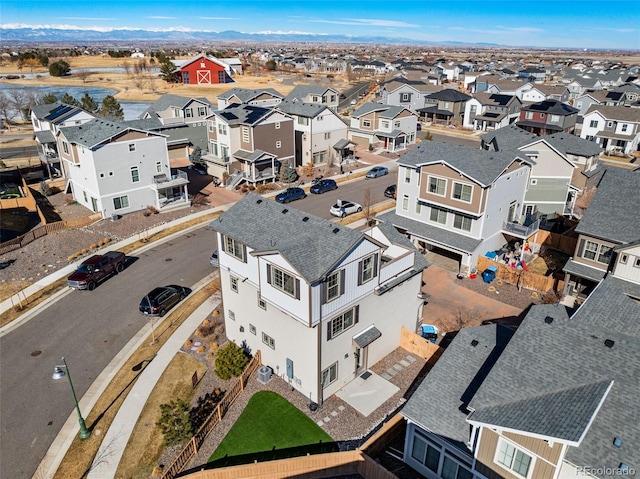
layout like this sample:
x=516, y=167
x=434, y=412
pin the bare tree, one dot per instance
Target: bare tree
x=126, y=67
x=367, y=206
x=6, y=109
x=83, y=75
x=19, y=99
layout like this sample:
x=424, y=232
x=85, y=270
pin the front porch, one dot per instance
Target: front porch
x=171, y=191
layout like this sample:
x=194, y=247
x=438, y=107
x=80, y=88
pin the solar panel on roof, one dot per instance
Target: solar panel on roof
x=57, y=112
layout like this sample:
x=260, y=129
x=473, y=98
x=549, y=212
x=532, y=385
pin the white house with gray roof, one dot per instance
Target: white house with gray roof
x=556, y=399
x=491, y=111
x=461, y=201
x=406, y=93
x=614, y=128
x=317, y=129
x=118, y=168
x=264, y=97
x=389, y=127
x=321, y=301
x=321, y=95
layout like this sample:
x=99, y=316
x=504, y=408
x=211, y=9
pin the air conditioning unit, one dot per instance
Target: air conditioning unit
x=264, y=374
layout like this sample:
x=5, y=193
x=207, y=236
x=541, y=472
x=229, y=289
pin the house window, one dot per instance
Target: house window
x=366, y=123
x=555, y=118
x=278, y=144
x=624, y=127
x=234, y=284
x=222, y=129
x=158, y=167
x=425, y=453
x=320, y=157
x=590, y=250
x=245, y=134
x=269, y=341
x=445, y=105
x=405, y=202
x=202, y=111
x=367, y=269
x=221, y=78
x=327, y=135
x=418, y=207
x=277, y=125
x=262, y=303
x=462, y=192
x=609, y=124
x=86, y=198
x=513, y=458
x=528, y=115
x=135, y=174
x=252, y=329
x=132, y=147
x=188, y=113
x=462, y=223
x=121, y=202
x=534, y=181
x=407, y=175
x=637, y=263
x=303, y=120
x=211, y=126
x=605, y=254
x=232, y=315
x=453, y=470
x=65, y=147
x=593, y=124
x=329, y=375
x=214, y=148
x=384, y=124
x=334, y=286
x=541, y=115
x=623, y=259
x=438, y=215
x=405, y=97
x=437, y=186
x=224, y=152
x=396, y=124
x=234, y=248
x=341, y=323
x=283, y=281
x=579, y=104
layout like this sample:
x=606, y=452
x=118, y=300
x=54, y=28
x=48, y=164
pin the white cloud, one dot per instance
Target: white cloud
x=160, y=17
x=90, y=19
x=368, y=22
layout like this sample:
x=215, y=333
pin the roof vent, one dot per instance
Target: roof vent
x=285, y=211
x=305, y=219
x=548, y=319
x=474, y=343
x=335, y=230
x=609, y=343
x=259, y=201
x=617, y=442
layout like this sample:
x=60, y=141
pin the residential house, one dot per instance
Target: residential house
x=444, y=106
x=598, y=97
x=320, y=95
x=46, y=120
x=317, y=129
x=491, y=111
x=510, y=87
x=184, y=121
x=392, y=128
x=321, y=301
x=460, y=201
x=539, y=92
x=203, y=70
x=562, y=163
x=548, y=116
x=610, y=221
x=532, y=74
x=406, y=93
x=264, y=97
x=451, y=70
x=249, y=143
x=557, y=398
x=118, y=168
x=625, y=269
x=614, y=128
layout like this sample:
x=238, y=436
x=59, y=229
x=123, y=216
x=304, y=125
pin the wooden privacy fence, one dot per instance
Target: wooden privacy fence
x=564, y=243
x=519, y=277
x=416, y=344
x=192, y=447
x=44, y=230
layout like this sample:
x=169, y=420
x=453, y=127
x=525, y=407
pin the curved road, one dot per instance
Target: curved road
x=90, y=328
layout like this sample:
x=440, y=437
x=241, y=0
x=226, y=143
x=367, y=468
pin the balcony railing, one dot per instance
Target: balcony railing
x=164, y=181
x=521, y=231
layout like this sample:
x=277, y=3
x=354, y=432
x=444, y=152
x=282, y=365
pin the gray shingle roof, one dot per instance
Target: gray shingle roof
x=440, y=403
x=311, y=247
x=573, y=145
x=96, y=131
x=449, y=94
x=384, y=111
x=552, y=107
x=243, y=114
x=245, y=95
x=482, y=165
x=299, y=108
x=583, y=270
x=301, y=91
x=621, y=113
x=168, y=100
x=612, y=213
x=394, y=236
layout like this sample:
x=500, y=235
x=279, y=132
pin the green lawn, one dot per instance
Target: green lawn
x=271, y=424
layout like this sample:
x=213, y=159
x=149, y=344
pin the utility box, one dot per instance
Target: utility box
x=489, y=274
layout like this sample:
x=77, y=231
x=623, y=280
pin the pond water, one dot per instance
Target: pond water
x=131, y=109
x=22, y=74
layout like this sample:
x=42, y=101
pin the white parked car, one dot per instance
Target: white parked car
x=343, y=208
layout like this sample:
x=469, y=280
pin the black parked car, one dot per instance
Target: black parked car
x=160, y=300
x=291, y=194
x=390, y=192
x=321, y=186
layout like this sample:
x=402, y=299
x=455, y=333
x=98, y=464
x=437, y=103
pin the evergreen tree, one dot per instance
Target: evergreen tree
x=89, y=104
x=111, y=109
x=168, y=71
x=59, y=69
x=49, y=98
x=69, y=100
x=175, y=423
x=230, y=361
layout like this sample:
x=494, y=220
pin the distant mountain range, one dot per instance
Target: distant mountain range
x=80, y=36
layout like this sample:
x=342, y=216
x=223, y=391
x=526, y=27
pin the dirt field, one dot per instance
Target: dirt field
x=141, y=87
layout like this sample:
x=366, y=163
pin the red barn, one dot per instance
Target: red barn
x=204, y=70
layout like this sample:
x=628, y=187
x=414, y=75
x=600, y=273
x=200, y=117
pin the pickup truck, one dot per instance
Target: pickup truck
x=96, y=269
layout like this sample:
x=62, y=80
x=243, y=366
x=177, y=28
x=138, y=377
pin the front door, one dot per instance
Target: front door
x=361, y=360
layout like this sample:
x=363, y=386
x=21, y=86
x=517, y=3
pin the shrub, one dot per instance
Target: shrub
x=231, y=361
x=106, y=240
x=84, y=251
x=146, y=213
x=45, y=189
x=174, y=422
x=93, y=246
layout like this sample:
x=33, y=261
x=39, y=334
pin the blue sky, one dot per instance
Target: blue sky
x=575, y=23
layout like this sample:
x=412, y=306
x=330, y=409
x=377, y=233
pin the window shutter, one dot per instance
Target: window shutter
x=223, y=240
x=581, y=248
x=356, y=314
x=269, y=273
x=244, y=253
x=375, y=265
x=342, y=282
x=297, y=288
x=323, y=291
x=359, y=273
x=328, y=330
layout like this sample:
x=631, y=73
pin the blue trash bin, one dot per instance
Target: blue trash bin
x=489, y=274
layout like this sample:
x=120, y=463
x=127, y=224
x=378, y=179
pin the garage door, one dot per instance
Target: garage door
x=445, y=259
x=361, y=141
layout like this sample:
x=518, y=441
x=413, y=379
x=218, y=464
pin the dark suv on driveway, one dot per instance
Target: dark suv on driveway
x=160, y=300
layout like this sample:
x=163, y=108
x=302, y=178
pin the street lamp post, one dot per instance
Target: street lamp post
x=58, y=373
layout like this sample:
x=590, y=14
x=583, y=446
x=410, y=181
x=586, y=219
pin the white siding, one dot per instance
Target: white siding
x=508, y=188
x=628, y=271
x=297, y=308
